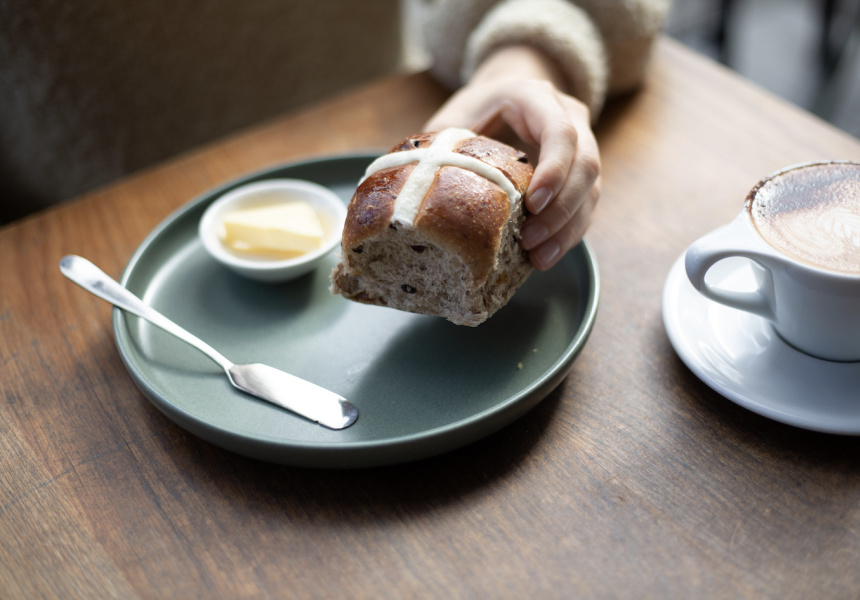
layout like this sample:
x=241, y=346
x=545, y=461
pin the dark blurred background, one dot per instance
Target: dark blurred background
x=119, y=99
x=806, y=51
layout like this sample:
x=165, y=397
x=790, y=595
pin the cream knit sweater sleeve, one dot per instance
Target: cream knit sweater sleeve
x=602, y=46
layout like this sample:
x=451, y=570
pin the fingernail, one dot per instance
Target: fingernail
x=547, y=253
x=533, y=234
x=539, y=199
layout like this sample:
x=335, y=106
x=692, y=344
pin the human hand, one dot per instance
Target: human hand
x=566, y=184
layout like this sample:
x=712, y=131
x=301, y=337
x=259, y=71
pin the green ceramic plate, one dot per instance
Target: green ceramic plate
x=422, y=386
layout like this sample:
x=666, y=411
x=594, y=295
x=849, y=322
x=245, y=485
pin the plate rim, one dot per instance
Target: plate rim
x=320, y=454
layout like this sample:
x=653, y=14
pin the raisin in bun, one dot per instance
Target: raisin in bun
x=434, y=227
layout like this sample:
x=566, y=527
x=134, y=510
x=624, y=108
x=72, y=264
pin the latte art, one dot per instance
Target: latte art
x=843, y=224
x=812, y=213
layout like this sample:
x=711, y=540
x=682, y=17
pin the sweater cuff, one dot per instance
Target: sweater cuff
x=562, y=31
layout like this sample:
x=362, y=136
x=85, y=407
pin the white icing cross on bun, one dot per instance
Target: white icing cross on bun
x=439, y=154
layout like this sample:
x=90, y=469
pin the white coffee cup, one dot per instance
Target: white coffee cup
x=800, y=227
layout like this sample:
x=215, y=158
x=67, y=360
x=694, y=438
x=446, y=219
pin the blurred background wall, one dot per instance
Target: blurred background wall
x=806, y=51
x=75, y=74
x=92, y=91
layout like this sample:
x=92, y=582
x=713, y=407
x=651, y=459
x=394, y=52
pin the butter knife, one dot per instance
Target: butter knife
x=267, y=383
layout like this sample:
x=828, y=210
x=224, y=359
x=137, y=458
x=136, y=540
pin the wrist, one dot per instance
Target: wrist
x=518, y=62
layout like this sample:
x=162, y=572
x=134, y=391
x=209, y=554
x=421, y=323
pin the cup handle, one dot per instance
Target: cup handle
x=733, y=240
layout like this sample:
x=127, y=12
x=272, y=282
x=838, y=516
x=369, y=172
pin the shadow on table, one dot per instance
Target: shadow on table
x=612, y=115
x=767, y=440
x=358, y=495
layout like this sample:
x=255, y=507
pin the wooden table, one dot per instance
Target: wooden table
x=632, y=479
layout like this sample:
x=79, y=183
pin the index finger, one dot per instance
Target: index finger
x=537, y=115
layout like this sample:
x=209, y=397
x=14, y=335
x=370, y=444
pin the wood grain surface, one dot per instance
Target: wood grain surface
x=633, y=479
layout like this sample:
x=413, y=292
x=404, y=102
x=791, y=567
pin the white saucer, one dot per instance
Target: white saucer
x=740, y=356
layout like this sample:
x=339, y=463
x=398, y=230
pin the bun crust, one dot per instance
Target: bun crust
x=434, y=228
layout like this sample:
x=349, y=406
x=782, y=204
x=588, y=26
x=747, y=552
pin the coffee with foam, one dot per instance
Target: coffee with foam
x=812, y=214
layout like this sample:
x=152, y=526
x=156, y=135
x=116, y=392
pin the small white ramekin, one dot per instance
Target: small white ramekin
x=330, y=208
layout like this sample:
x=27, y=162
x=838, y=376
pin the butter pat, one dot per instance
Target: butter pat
x=291, y=228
